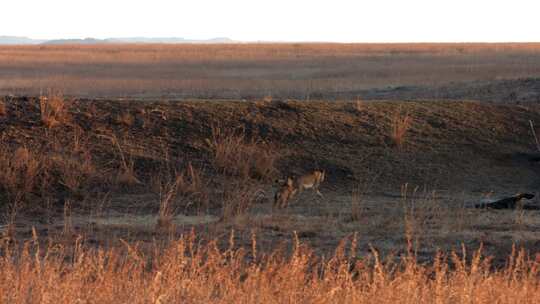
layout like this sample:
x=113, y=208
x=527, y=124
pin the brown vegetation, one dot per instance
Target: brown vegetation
x=187, y=271
x=255, y=70
x=234, y=154
x=54, y=110
x=3, y=110
x=401, y=122
x=182, y=173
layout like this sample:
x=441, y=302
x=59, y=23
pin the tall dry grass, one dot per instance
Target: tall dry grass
x=238, y=197
x=185, y=189
x=188, y=271
x=401, y=123
x=54, y=109
x=20, y=174
x=36, y=173
x=235, y=154
x=3, y=108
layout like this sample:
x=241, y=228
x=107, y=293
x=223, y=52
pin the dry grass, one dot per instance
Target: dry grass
x=31, y=179
x=187, y=271
x=255, y=70
x=3, y=108
x=54, y=110
x=227, y=177
x=126, y=118
x=238, y=197
x=400, y=124
x=359, y=105
x=235, y=154
x=185, y=188
x=19, y=171
x=167, y=208
x=126, y=177
x=76, y=171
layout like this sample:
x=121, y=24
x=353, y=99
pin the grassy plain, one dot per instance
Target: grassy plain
x=302, y=71
x=151, y=200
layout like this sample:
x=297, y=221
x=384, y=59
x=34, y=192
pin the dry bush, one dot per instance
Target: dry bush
x=421, y=212
x=126, y=176
x=185, y=188
x=238, y=198
x=30, y=179
x=190, y=181
x=167, y=208
x=236, y=155
x=125, y=118
x=193, y=187
x=187, y=271
x=54, y=110
x=365, y=186
x=400, y=124
x=76, y=171
x=19, y=173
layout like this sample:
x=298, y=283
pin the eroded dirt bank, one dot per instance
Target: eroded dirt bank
x=123, y=156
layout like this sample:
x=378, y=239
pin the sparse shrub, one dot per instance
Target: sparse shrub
x=238, y=198
x=400, y=124
x=79, y=142
x=188, y=184
x=167, y=193
x=19, y=172
x=193, y=187
x=236, y=155
x=75, y=171
x=126, y=176
x=33, y=179
x=126, y=118
x=421, y=210
x=54, y=110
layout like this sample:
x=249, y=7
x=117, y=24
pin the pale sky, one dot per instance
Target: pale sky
x=277, y=20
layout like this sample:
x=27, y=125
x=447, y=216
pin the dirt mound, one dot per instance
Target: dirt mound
x=454, y=145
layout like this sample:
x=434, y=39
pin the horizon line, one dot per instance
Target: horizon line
x=234, y=41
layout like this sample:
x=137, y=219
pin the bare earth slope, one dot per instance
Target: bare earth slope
x=454, y=145
x=452, y=153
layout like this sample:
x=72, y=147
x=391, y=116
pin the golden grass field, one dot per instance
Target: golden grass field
x=301, y=71
x=150, y=200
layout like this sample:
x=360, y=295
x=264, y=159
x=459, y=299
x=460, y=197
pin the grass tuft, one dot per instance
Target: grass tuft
x=3, y=108
x=54, y=110
x=400, y=123
x=234, y=154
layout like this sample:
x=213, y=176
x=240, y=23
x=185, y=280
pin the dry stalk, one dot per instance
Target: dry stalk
x=54, y=110
x=234, y=154
x=400, y=124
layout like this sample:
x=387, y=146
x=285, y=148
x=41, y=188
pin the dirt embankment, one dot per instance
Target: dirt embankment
x=458, y=146
x=126, y=169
